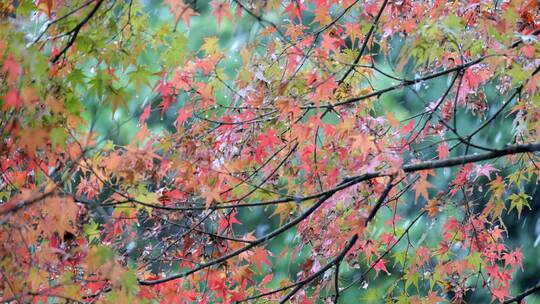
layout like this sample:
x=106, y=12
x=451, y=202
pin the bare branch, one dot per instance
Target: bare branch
x=312, y=277
x=517, y=299
x=75, y=31
x=364, y=44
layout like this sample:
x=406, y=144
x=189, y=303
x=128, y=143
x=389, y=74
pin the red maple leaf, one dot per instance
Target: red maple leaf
x=260, y=255
x=145, y=114
x=12, y=99
x=442, y=149
x=380, y=266
x=181, y=10
x=12, y=68
x=500, y=293
x=183, y=115
x=294, y=9
x=220, y=9
x=268, y=139
x=225, y=222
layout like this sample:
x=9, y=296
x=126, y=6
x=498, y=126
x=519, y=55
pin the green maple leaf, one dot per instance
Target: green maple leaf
x=140, y=77
x=518, y=201
x=91, y=230
x=118, y=98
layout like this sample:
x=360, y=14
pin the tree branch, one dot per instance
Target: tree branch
x=255, y=243
x=364, y=44
x=312, y=277
x=75, y=31
x=517, y=299
x=449, y=162
x=380, y=201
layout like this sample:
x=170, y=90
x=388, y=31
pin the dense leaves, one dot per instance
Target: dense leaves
x=305, y=151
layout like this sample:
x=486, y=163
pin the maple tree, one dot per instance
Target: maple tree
x=259, y=151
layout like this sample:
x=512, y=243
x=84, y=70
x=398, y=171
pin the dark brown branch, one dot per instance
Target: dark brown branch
x=450, y=162
x=11, y=208
x=281, y=163
x=455, y=161
x=520, y=41
x=75, y=31
x=345, y=184
x=517, y=299
x=363, y=275
x=336, y=261
x=336, y=283
x=331, y=23
x=7, y=209
x=380, y=201
x=50, y=23
x=364, y=44
x=403, y=84
x=255, y=243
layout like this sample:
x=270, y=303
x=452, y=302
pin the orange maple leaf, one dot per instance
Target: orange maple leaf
x=421, y=188
x=260, y=255
x=210, y=195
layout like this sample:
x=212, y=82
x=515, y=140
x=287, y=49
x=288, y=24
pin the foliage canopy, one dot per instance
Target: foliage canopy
x=305, y=151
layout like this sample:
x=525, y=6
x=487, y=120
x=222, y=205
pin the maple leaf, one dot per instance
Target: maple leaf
x=476, y=76
x=408, y=127
x=294, y=30
x=321, y=15
x=165, y=88
x=12, y=68
x=268, y=139
x=432, y=207
x=182, y=115
x=266, y=279
x=260, y=255
x=514, y=259
x=12, y=99
x=362, y=143
x=533, y=84
x=207, y=64
x=434, y=298
x=207, y=96
x=220, y=9
x=211, y=195
x=45, y=6
x=324, y=90
x=283, y=210
x=187, y=296
x=380, y=265
x=229, y=221
x=118, y=98
x=442, y=149
x=500, y=293
x=210, y=45
x=392, y=120
x=329, y=42
x=388, y=239
x=294, y=9
x=180, y=10
x=518, y=201
x=484, y=170
x=450, y=226
x=421, y=188
x=145, y=114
